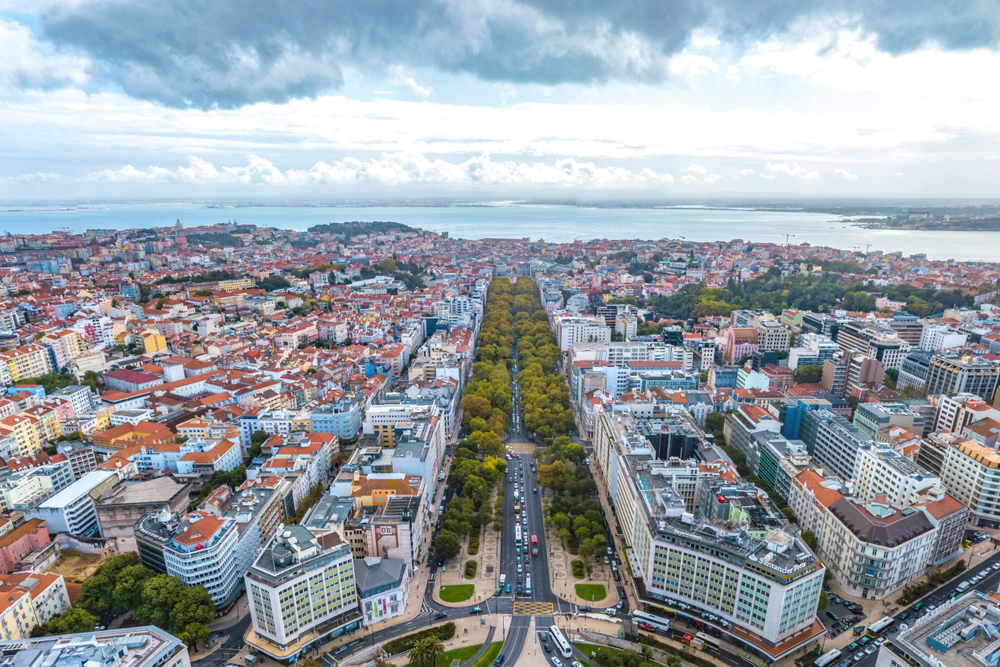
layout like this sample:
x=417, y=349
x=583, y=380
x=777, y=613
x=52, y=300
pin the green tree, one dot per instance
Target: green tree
x=127, y=592
x=447, y=544
x=97, y=592
x=159, y=595
x=809, y=538
x=194, y=605
x=192, y=634
x=72, y=621
x=811, y=374
x=824, y=601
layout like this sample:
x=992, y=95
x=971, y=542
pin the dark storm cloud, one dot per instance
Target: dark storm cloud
x=228, y=53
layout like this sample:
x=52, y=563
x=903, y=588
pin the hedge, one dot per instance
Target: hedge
x=578, y=570
x=403, y=644
x=470, y=569
x=473, y=546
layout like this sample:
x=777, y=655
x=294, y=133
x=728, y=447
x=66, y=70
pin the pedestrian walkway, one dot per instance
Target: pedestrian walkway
x=563, y=581
x=483, y=649
x=533, y=609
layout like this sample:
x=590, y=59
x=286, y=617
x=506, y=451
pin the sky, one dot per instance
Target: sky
x=497, y=99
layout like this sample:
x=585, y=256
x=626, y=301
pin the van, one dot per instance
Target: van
x=832, y=616
x=964, y=586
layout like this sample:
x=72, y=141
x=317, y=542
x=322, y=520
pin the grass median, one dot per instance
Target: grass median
x=591, y=592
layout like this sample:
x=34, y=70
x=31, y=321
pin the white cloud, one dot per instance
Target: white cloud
x=794, y=170
x=701, y=171
x=746, y=171
x=694, y=180
x=37, y=177
x=25, y=62
x=398, y=169
x=846, y=174
x=402, y=79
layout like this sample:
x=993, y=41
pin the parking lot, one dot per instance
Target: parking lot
x=841, y=616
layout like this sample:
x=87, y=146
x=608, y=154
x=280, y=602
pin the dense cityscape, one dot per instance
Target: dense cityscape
x=369, y=443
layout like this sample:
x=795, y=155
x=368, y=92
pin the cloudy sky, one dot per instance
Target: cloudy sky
x=498, y=98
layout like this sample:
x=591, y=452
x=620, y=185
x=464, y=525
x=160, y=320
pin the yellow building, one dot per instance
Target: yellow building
x=24, y=430
x=154, y=342
x=234, y=285
x=17, y=616
x=28, y=361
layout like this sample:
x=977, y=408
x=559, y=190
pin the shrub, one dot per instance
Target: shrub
x=578, y=570
x=402, y=644
x=473, y=546
x=470, y=569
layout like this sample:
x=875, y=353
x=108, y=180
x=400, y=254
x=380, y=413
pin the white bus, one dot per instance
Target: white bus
x=527, y=585
x=650, y=622
x=517, y=534
x=827, y=658
x=559, y=639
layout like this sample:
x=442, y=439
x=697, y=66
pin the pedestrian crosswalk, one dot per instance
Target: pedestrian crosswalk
x=533, y=609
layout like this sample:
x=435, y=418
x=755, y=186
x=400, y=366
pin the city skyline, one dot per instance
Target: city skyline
x=502, y=100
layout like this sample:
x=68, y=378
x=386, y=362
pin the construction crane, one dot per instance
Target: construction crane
x=787, y=236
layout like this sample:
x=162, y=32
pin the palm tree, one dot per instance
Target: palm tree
x=647, y=653
x=435, y=649
x=418, y=654
x=674, y=661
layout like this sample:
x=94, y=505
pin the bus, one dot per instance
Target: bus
x=827, y=658
x=651, y=623
x=880, y=627
x=534, y=545
x=517, y=534
x=707, y=640
x=559, y=639
x=527, y=585
x=503, y=578
x=517, y=508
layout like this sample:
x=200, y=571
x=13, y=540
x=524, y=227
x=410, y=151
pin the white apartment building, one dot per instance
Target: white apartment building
x=73, y=509
x=302, y=592
x=940, y=337
x=875, y=549
x=956, y=412
x=881, y=470
x=573, y=330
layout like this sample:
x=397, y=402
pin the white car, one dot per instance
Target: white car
x=557, y=662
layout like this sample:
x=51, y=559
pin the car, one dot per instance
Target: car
x=871, y=649
x=498, y=661
x=438, y=616
x=519, y=591
x=621, y=603
x=519, y=568
x=508, y=588
x=535, y=490
x=859, y=657
x=832, y=616
x=557, y=662
x=610, y=551
x=606, y=562
x=509, y=479
x=905, y=615
x=584, y=609
x=340, y=650
x=475, y=610
x=518, y=559
x=854, y=647
x=879, y=641
x=548, y=649
x=576, y=664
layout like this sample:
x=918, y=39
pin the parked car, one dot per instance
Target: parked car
x=585, y=608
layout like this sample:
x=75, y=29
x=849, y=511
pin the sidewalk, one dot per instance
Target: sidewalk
x=564, y=583
x=232, y=617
